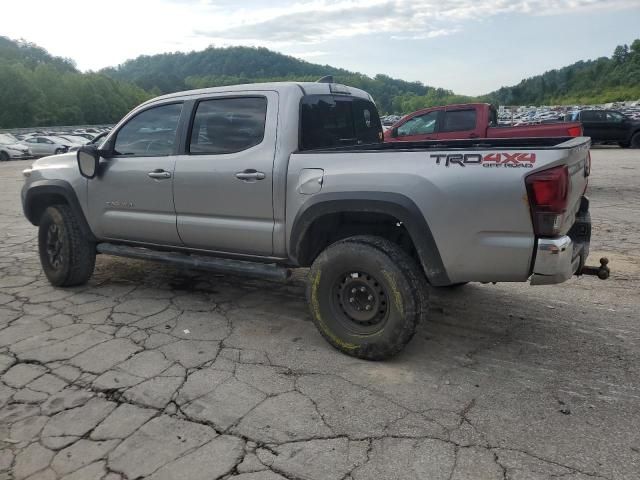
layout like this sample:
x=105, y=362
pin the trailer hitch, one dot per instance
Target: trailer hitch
x=602, y=272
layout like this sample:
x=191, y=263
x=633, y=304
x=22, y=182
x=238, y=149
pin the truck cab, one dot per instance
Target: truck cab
x=608, y=126
x=471, y=120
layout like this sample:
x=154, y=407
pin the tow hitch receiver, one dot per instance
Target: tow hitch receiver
x=602, y=272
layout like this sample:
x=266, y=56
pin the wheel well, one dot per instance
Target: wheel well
x=330, y=228
x=39, y=204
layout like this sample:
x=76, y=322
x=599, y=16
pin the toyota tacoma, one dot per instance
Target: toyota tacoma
x=259, y=179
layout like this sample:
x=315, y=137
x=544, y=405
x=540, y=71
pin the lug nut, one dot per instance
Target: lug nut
x=362, y=289
x=368, y=307
x=370, y=297
x=353, y=290
x=351, y=300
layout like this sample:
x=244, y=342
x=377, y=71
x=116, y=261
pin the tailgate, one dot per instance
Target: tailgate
x=579, y=164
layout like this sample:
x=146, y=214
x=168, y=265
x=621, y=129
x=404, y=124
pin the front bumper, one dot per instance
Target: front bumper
x=558, y=259
x=17, y=155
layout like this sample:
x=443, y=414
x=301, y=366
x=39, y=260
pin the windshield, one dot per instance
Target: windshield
x=335, y=120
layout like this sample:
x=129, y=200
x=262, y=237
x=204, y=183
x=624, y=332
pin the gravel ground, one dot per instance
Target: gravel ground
x=151, y=371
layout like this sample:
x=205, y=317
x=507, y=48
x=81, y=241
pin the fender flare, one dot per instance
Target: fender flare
x=33, y=191
x=393, y=204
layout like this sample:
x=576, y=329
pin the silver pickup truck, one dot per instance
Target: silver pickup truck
x=259, y=179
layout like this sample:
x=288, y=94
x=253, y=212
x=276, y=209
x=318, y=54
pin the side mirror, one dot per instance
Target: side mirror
x=88, y=160
x=394, y=132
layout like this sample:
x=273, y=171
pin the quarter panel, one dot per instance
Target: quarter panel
x=479, y=215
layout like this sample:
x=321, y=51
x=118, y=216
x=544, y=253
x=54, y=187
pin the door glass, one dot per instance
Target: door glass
x=151, y=133
x=615, y=117
x=228, y=125
x=593, y=116
x=419, y=125
x=459, y=120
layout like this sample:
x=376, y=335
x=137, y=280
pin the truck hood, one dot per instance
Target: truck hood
x=62, y=161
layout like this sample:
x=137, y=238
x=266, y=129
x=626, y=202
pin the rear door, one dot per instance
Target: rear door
x=457, y=123
x=223, y=187
x=594, y=124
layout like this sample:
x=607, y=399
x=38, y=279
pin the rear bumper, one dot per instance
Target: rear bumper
x=558, y=259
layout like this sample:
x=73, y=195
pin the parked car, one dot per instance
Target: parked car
x=256, y=179
x=473, y=120
x=75, y=139
x=96, y=141
x=42, y=145
x=12, y=148
x=608, y=126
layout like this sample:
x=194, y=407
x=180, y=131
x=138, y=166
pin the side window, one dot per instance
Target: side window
x=459, y=120
x=614, y=117
x=32, y=140
x=228, y=125
x=593, y=116
x=151, y=133
x=419, y=125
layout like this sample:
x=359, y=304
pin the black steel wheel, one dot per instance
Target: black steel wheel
x=360, y=302
x=366, y=296
x=67, y=256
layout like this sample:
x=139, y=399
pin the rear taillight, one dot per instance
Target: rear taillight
x=575, y=131
x=548, y=196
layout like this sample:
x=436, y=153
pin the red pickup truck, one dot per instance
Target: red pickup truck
x=471, y=120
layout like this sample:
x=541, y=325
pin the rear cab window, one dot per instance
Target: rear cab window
x=328, y=121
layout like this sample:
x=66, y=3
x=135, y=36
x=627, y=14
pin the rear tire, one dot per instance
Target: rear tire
x=4, y=156
x=67, y=257
x=635, y=140
x=59, y=151
x=366, y=296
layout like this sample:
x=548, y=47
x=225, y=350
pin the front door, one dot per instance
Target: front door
x=223, y=184
x=420, y=127
x=131, y=198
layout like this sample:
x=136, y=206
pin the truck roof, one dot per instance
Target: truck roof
x=301, y=88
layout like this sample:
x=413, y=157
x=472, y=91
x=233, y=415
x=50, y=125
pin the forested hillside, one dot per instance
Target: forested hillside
x=170, y=72
x=595, y=81
x=39, y=89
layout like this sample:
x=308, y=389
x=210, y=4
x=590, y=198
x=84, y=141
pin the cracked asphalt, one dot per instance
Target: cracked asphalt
x=150, y=371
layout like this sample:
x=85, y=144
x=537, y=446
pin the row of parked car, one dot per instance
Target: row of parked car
x=42, y=143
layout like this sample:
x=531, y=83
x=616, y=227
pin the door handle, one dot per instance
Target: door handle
x=159, y=173
x=249, y=175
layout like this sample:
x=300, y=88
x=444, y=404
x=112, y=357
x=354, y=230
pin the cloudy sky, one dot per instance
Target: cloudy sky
x=469, y=46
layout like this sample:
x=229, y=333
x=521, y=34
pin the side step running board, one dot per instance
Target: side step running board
x=199, y=262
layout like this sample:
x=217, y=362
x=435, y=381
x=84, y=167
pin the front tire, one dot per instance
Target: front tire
x=4, y=156
x=67, y=257
x=366, y=297
x=635, y=141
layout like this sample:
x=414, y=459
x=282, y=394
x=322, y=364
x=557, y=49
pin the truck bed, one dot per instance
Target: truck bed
x=537, y=143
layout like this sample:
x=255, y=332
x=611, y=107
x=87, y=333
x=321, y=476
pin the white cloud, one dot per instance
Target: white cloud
x=316, y=21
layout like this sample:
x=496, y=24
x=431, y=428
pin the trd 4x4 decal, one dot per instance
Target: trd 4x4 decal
x=490, y=160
